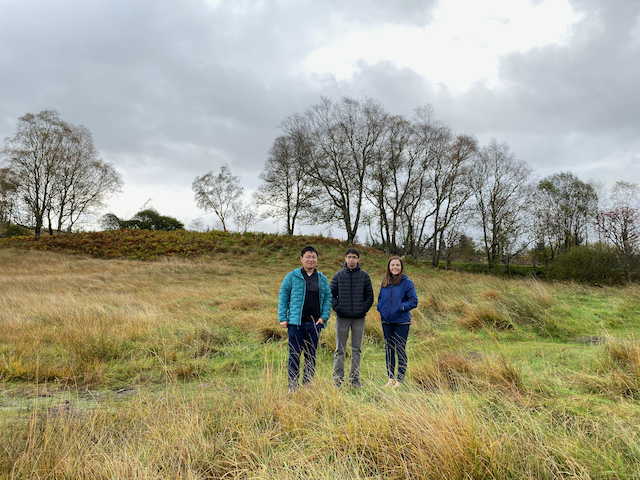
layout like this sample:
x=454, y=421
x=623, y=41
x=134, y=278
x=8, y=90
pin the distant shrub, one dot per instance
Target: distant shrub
x=597, y=263
x=500, y=270
x=147, y=219
x=526, y=270
x=16, y=231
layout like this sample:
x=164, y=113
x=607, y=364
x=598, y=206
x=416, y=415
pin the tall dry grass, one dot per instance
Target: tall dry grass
x=176, y=369
x=79, y=321
x=261, y=432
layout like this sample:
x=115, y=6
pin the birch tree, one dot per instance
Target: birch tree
x=218, y=193
x=502, y=200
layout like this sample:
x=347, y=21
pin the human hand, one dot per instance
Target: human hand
x=320, y=322
x=284, y=324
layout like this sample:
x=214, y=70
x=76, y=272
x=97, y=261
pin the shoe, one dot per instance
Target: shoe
x=355, y=384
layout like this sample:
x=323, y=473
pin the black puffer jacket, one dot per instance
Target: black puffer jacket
x=352, y=292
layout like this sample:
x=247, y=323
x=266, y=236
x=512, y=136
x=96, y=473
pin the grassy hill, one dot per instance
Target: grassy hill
x=152, y=245
x=176, y=368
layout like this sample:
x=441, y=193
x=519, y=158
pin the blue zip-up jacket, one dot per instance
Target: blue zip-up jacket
x=396, y=301
x=292, y=294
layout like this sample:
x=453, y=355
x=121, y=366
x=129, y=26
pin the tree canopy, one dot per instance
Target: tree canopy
x=146, y=219
x=57, y=173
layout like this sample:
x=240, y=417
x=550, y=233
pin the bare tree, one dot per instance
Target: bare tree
x=287, y=186
x=197, y=225
x=83, y=180
x=33, y=155
x=218, y=193
x=345, y=137
x=448, y=194
x=433, y=202
x=502, y=193
x=391, y=179
x=245, y=216
x=619, y=221
x=58, y=171
x=415, y=183
x=8, y=196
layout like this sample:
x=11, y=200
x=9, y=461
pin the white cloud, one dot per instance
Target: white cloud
x=460, y=46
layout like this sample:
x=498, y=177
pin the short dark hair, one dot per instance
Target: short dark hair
x=354, y=251
x=308, y=249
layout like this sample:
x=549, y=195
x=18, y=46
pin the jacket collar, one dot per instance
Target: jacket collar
x=298, y=272
x=357, y=267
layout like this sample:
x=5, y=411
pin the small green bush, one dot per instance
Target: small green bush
x=597, y=263
x=500, y=270
x=16, y=231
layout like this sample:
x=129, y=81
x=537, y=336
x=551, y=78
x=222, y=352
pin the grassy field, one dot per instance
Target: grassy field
x=175, y=368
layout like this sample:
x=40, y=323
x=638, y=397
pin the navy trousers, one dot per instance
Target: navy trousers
x=395, y=342
x=302, y=339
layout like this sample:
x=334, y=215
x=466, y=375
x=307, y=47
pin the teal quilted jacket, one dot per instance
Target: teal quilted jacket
x=292, y=294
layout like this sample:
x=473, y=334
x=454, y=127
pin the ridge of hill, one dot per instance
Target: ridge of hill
x=151, y=245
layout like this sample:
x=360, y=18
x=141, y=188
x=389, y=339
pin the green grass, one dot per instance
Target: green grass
x=176, y=368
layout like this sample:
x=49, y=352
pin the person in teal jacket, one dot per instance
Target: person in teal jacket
x=396, y=299
x=304, y=307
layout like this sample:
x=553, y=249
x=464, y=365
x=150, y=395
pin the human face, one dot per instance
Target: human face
x=309, y=261
x=395, y=267
x=352, y=260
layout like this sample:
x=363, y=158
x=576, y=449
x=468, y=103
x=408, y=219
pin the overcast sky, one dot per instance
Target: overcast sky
x=174, y=89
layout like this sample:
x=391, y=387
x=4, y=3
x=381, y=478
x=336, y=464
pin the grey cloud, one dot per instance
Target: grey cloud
x=141, y=75
x=572, y=106
x=171, y=89
x=417, y=12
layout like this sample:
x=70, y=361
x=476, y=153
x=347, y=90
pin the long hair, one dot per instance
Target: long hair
x=389, y=278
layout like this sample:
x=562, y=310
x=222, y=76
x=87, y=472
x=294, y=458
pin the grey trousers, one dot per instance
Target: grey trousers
x=343, y=325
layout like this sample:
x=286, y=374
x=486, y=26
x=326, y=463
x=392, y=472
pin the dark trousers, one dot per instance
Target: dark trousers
x=395, y=342
x=302, y=339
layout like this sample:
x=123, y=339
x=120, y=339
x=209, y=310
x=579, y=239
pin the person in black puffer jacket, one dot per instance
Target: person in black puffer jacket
x=352, y=298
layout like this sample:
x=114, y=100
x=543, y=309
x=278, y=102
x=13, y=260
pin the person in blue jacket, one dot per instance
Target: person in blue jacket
x=396, y=299
x=304, y=307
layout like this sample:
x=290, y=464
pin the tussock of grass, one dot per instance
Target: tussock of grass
x=373, y=331
x=491, y=294
x=475, y=318
x=451, y=372
x=624, y=363
x=435, y=304
x=447, y=371
x=529, y=306
x=270, y=333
